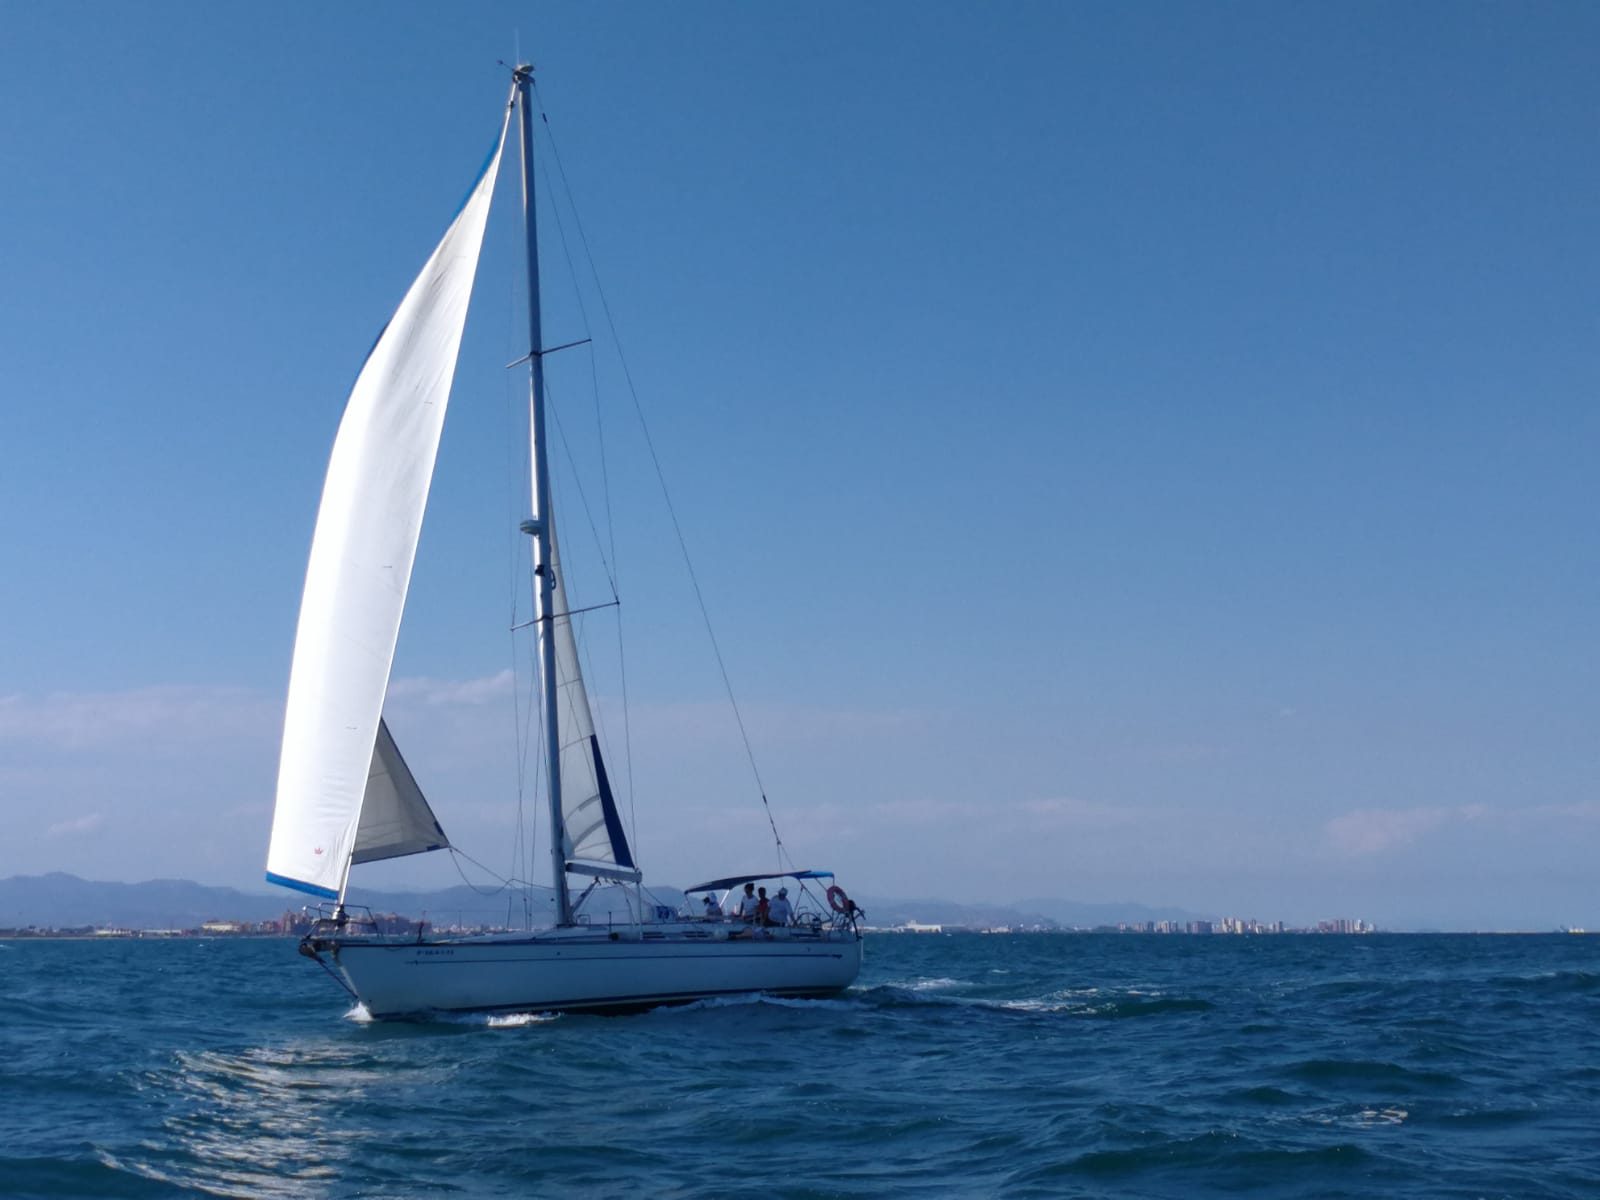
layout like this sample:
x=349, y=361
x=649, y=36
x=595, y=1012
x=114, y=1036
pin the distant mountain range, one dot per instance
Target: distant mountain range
x=62, y=901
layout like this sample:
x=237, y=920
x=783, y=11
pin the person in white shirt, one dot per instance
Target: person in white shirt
x=713, y=909
x=779, y=911
x=745, y=910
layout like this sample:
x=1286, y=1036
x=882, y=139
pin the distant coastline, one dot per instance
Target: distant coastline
x=257, y=934
x=59, y=905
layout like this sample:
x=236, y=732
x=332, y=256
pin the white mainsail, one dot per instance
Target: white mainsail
x=356, y=582
x=592, y=828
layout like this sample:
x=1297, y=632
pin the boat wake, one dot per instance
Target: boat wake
x=519, y=1020
x=759, y=999
x=1093, y=1003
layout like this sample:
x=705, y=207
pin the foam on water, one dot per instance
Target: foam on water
x=519, y=1020
x=936, y=984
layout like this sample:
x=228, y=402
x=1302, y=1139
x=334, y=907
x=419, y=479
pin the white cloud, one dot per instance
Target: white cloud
x=77, y=826
x=1190, y=752
x=1039, y=815
x=452, y=692
x=1069, y=813
x=1583, y=810
x=1369, y=831
x=170, y=713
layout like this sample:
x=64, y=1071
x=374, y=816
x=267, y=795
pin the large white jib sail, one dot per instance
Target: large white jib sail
x=344, y=792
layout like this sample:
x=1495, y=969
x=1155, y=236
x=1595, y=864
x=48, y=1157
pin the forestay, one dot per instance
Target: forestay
x=361, y=557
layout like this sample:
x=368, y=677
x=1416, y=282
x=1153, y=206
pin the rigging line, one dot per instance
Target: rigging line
x=627, y=732
x=661, y=478
x=577, y=482
x=571, y=612
x=533, y=354
x=541, y=772
x=577, y=627
x=597, y=719
x=505, y=884
x=522, y=741
x=580, y=643
x=613, y=569
x=526, y=740
x=535, y=709
x=495, y=891
x=588, y=330
x=515, y=502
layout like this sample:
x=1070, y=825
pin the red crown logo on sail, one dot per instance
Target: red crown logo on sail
x=316, y=849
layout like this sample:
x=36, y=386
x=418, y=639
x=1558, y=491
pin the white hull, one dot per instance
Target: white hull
x=584, y=969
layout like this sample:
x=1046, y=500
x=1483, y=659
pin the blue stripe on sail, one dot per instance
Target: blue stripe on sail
x=608, y=806
x=373, y=347
x=465, y=200
x=300, y=885
x=482, y=171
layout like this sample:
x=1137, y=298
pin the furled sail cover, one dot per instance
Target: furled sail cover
x=590, y=823
x=361, y=556
x=395, y=818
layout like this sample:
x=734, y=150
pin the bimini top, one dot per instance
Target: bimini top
x=716, y=885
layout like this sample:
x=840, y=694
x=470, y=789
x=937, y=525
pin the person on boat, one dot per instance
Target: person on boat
x=779, y=911
x=713, y=909
x=745, y=910
x=763, y=910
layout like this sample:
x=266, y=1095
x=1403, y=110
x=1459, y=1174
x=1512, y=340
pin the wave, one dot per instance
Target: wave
x=981, y=1071
x=1113, y=1009
x=1548, y=982
x=1093, y=1003
x=756, y=998
x=1365, y=1118
x=932, y=984
x=86, y=1176
x=1489, y=1118
x=1360, y=1070
x=1215, y=1150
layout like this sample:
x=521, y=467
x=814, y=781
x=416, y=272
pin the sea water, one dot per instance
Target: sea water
x=965, y=1065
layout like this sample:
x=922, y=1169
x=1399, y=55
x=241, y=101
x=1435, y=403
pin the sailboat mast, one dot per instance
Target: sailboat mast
x=539, y=527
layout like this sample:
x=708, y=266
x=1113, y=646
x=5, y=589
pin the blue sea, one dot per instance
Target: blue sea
x=965, y=1065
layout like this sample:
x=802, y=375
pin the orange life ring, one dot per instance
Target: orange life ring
x=838, y=901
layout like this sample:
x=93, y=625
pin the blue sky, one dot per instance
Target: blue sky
x=1129, y=452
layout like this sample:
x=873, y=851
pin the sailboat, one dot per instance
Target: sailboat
x=346, y=795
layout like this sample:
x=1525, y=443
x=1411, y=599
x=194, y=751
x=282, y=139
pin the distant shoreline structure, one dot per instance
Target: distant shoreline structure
x=62, y=905
x=1227, y=926
x=291, y=926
